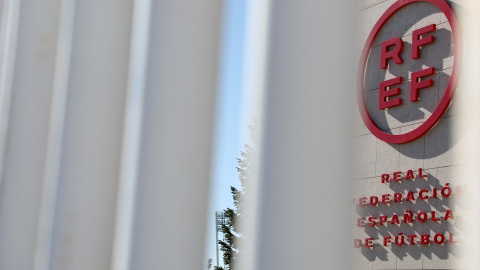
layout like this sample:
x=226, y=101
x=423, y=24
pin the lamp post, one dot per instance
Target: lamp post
x=219, y=221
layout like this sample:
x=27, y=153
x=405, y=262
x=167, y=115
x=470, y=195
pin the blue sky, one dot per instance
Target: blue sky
x=230, y=129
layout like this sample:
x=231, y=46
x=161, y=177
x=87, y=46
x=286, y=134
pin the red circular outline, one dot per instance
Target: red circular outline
x=447, y=97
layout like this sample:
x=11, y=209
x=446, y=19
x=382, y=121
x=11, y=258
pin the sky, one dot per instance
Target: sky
x=230, y=125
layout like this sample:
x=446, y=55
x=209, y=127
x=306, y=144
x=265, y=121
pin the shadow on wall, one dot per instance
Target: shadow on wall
x=409, y=115
x=440, y=205
x=404, y=118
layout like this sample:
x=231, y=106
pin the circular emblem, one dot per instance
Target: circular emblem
x=444, y=101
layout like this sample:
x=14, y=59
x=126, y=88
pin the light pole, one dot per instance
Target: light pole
x=219, y=221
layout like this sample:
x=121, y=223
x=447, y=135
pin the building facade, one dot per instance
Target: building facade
x=411, y=144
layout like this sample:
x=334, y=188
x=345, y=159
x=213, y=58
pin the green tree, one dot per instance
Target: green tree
x=231, y=230
x=228, y=245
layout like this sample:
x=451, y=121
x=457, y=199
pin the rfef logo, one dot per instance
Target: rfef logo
x=420, y=79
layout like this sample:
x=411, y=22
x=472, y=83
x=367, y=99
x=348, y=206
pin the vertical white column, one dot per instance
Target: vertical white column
x=73, y=76
x=29, y=31
x=175, y=154
x=141, y=23
x=466, y=134
x=84, y=219
x=304, y=191
x=10, y=13
x=55, y=137
x=63, y=82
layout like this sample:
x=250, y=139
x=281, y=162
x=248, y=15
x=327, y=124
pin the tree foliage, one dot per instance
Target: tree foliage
x=231, y=231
